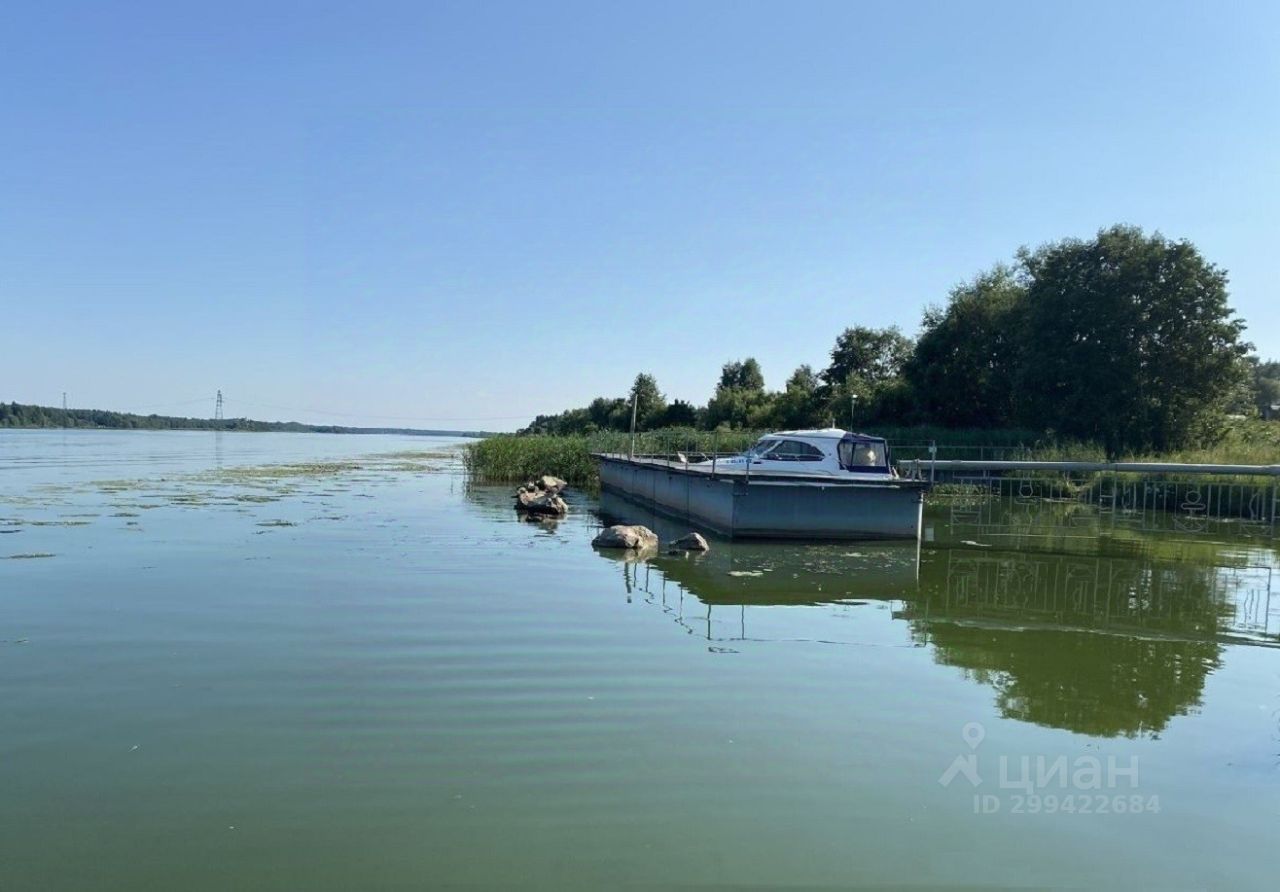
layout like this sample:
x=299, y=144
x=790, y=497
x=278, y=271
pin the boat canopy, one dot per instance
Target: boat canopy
x=861, y=453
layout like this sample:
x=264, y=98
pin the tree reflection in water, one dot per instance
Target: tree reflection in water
x=1102, y=646
x=1094, y=635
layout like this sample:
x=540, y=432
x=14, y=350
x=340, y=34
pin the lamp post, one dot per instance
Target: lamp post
x=635, y=402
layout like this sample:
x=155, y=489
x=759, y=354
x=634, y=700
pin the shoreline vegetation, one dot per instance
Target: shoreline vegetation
x=509, y=457
x=1119, y=347
x=1126, y=340
x=505, y=458
x=17, y=416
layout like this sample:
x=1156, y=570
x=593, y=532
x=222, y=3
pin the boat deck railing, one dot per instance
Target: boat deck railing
x=1133, y=495
x=695, y=462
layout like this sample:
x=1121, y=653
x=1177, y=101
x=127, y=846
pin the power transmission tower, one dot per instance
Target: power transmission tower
x=217, y=410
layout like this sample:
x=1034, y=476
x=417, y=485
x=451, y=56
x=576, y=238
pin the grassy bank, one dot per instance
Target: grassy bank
x=508, y=457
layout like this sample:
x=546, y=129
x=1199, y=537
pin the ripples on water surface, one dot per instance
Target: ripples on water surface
x=358, y=672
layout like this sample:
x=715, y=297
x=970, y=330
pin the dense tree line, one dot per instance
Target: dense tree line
x=19, y=415
x=1125, y=339
x=14, y=415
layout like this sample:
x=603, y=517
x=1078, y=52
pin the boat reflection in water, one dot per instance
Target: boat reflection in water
x=1097, y=636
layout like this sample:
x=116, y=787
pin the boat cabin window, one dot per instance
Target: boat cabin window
x=863, y=456
x=794, y=450
x=763, y=448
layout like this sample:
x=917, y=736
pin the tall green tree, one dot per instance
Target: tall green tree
x=967, y=357
x=608, y=414
x=873, y=355
x=741, y=375
x=799, y=405
x=650, y=403
x=680, y=413
x=863, y=383
x=1129, y=341
x=740, y=399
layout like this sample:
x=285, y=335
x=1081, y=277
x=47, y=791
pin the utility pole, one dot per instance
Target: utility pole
x=853, y=412
x=66, y=422
x=217, y=409
x=635, y=401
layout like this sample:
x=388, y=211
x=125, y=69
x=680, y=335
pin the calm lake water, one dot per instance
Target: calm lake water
x=359, y=672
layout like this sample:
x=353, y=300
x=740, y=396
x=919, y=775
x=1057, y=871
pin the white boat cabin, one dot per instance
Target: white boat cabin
x=830, y=452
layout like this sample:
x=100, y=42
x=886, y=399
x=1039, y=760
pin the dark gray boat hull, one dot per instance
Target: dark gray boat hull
x=742, y=506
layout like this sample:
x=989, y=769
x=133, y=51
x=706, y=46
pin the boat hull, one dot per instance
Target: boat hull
x=742, y=506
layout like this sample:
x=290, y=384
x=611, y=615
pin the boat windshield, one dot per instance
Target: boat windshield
x=763, y=448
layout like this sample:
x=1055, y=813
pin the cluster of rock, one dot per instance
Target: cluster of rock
x=541, y=497
x=641, y=538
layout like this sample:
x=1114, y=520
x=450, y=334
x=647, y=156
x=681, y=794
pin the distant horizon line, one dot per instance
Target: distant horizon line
x=215, y=424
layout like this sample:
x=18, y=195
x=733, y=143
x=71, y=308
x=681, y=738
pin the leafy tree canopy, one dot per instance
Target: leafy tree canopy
x=1128, y=341
x=741, y=375
x=966, y=359
x=650, y=404
x=1125, y=339
x=873, y=355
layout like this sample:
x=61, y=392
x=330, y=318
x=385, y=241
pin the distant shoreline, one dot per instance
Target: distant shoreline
x=16, y=416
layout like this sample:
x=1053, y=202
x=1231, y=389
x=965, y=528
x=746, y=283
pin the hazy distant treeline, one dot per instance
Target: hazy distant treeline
x=1126, y=340
x=18, y=415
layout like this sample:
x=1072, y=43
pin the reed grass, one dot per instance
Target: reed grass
x=509, y=458
x=1244, y=442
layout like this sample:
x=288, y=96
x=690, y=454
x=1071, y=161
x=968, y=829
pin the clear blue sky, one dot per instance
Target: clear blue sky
x=461, y=215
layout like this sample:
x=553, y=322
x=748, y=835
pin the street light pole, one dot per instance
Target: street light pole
x=635, y=401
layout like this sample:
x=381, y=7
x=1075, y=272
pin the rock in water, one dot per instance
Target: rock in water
x=622, y=536
x=546, y=484
x=550, y=484
x=542, y=497
x=541, y=503
x=690, y=542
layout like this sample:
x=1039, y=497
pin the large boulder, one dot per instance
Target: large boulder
x=538, y=502
x=550, y=484
x=622, y=536
x=690, y=542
